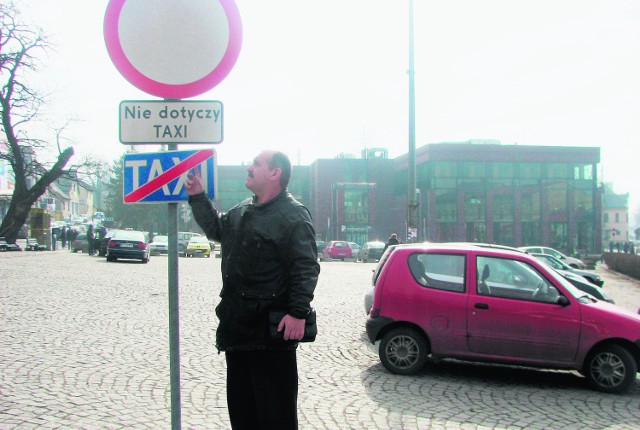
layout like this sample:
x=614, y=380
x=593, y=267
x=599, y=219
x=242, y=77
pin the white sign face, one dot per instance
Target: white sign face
x=173, y=49
x=154, y=122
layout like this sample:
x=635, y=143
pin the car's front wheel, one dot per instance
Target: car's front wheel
x=611, y=369
x=403, y=351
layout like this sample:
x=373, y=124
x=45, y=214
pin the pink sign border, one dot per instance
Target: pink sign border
x=153, y=87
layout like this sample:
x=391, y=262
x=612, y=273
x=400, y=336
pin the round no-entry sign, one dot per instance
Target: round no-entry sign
x=173, y=49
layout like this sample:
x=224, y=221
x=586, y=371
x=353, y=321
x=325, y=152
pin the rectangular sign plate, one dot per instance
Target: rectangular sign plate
x=159, y=177
x=157, y=122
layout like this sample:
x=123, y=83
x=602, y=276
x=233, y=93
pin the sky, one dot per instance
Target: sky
x=320, y=78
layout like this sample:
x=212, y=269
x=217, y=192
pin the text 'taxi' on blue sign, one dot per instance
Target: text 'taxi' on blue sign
x=160, y=177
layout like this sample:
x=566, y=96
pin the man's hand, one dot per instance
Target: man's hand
x=193, y=184
x=293, y=327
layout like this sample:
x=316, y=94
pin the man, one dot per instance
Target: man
x=269, y=262
x=393, y=240
x=90, y=237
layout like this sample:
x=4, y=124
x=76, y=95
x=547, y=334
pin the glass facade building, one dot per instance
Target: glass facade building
x=507, y=194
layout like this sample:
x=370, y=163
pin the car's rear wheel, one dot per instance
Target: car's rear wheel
x=403, y=351
x=611, y=369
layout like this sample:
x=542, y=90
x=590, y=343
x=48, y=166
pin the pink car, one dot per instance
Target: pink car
x=483, y=303
x=337, y=249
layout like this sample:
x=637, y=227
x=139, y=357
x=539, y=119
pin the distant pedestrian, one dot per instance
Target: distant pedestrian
x=90, y=237
x=63, y=237
x=393, y=240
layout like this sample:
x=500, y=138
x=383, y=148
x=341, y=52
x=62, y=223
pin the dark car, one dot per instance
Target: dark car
x=561, y=265
x=80, y=243
x=371, y=251
x=6, y=246
x=128, y=244
x=104, y=242
x=33, y=245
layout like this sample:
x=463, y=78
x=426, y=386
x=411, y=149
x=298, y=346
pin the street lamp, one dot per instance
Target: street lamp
x=412, y=202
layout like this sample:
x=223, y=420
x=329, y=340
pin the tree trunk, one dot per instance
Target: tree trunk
x=16, y=216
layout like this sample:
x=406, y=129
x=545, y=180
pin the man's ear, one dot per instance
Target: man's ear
x=277, y=172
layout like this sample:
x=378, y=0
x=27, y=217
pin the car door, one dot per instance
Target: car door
x=506, y=318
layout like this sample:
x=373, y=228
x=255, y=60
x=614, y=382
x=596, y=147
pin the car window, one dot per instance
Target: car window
x=129, y=235
x=513, y=279
x=439, y=271
x=198, y=239
x=554, y=253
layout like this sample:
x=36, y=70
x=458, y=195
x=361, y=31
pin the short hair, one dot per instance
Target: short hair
x=280, y=159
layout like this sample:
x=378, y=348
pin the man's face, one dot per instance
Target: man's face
x=259, y=175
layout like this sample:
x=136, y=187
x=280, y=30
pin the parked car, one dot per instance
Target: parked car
x=128, y=244
x=159, y=245
x=552, y=261
x=371, y=251
x=3, y=245
x=80, y=243
x=337, y=249
x=104, y=242
x=183, y=240
x=583, y=284
x=571, y=261
x=355, y=249
x=33, y=245
x=496, y=305
x=320, y=244
x=198, y=246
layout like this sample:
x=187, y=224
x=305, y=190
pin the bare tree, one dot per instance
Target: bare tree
x=20, y=47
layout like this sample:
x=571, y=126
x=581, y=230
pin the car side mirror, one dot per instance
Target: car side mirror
x=563, y=301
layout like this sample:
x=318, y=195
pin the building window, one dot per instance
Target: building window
x=617, y=217
x=445, y=169
x=606, y=217
x=529, y=170
x=584, y=171
x=557, y=202
x=446, y=208
x=503, y=207
x=473, y=170
x=530, y=233
x=474, y=207
x=557, y=171
x=530, y=206
x=356, y=206
x=558, y=236
x=503, y=233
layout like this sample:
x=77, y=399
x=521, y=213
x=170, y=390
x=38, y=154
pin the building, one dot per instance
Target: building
x=615, y=218
x=468, y=191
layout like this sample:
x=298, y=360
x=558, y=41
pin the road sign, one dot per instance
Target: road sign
x=159, y=177
x=153, y=122
x=173, y=49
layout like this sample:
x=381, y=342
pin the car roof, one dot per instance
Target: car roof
x=459, y=246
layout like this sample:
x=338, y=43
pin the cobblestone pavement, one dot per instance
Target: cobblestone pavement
x=84, y=345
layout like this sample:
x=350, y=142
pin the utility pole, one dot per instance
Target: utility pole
x=412, y=201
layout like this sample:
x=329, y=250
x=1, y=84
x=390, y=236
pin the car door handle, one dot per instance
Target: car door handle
x=481, y=306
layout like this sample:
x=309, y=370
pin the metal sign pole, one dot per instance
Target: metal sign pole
x=174, y=311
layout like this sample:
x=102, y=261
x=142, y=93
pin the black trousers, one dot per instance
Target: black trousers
x=262, y=389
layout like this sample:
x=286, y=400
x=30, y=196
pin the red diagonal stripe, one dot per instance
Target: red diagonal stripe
x=168, y=176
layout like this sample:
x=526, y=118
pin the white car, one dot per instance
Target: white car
x=573, y=262
x=355, y=249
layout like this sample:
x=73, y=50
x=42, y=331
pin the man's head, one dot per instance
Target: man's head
x=268, y=175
